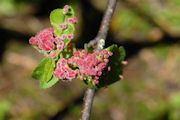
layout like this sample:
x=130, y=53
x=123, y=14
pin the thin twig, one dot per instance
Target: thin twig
x=89, y=95
x=88, y=100
x=104, y=24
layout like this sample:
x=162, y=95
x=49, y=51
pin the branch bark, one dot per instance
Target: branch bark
x=104, y=27
x=104, y=24
x=88, y=101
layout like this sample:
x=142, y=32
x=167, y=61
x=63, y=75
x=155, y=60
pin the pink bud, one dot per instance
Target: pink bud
x=110, y=53
x=67, y=20
x=106, y=88
x=106, y=60
x=70, y=36
x=94, y=83
x=74, y=20
x=57, y=39
x=122, y=77
x=70, y=20
x=124, y=62
x=99, y=73
x=61, y=43
x=96, y=77
x=61, y=26
x=33, y=41
x=63, y=37
x=81, y=78
x=66, y=8
x=104, y=51
x=60, y=48
x=52, y=54
x=106, y=56
x=109, y=68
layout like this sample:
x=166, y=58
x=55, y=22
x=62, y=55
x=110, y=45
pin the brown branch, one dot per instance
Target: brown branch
x=89, y=95
x=88, y=101
x=104, y=24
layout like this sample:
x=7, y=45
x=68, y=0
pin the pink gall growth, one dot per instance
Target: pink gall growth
x=63, y=72
x=44, y=39
x=66, y=8
x=70, y=20
x=124, y=62
x=109, y=68
x=122, y=77
x=63, y=37
x=91, y=64
x=33, y=41
x=110, y=53
x=57, y=39
x=52, y=54
x=63, y=26
x=75, y=20
x=60, y=46
x=95, y=82
x=70, y=36
x=104, y=51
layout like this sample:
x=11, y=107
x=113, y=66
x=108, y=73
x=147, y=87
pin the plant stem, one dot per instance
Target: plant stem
x=102, y=33
x=88, y=101
x=89, y=95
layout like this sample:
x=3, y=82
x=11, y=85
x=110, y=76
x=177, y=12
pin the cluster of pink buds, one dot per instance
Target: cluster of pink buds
x=63, y=71
x=72, y=20
x=44, y=40
x=66, y=9
x=90, y=65
x=63, y=26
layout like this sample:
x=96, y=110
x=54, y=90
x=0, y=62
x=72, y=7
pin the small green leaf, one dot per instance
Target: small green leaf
x=57, y=17
x=43, y=71
x=44, y=84
x=115, y=62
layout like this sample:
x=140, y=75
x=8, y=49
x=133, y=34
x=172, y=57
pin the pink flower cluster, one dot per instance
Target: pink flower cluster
x=44, y=39
x=87, y=66
x=90, y=65
x=63, y=26
x=47, y=41
x=72, y=20
x=63, y=71
x=66, y=9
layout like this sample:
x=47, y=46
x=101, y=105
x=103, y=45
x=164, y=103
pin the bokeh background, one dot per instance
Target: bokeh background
x=148, y=29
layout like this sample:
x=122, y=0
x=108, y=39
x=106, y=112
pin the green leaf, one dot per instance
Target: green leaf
x=115, y=62
x=44, y=84
x=57, y=17
x=43, y=71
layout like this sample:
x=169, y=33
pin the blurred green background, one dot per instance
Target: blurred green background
x=148, y=29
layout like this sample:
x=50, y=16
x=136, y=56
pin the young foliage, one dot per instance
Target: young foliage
x=43, y=73
x=64, y=62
